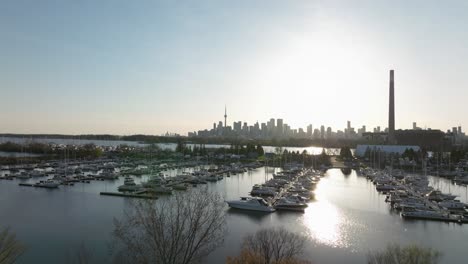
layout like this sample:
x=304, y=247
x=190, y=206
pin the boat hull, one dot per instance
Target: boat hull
x=250, y=208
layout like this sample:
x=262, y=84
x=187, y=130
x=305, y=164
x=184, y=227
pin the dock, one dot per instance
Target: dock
x=129, y=195
x=35, y=185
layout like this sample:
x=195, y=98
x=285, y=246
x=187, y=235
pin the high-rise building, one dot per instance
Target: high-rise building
x=329, y=132
x=391, y=110
x=309, y=131
x=322, y=131
x=271, y=126
x=279, y=127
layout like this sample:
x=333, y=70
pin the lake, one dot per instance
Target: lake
x=347, y=219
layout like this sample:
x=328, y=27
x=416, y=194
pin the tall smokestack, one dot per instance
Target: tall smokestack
x=391, y=110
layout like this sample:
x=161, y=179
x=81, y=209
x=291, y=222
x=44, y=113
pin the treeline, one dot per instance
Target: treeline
x=236, y=149
x=304, y=158
x=84, y=151
x=60, y=136
x=291, y=142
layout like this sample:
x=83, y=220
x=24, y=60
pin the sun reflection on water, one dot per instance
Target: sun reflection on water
x=326, y=223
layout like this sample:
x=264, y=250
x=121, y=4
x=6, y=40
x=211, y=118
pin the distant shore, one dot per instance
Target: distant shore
x=150, y=139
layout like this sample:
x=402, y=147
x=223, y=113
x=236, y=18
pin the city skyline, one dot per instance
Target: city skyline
x=243, y=128
x=68, y=69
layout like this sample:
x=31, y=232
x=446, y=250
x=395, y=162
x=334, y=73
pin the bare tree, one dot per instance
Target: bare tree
x=413, y=254
x=10, y=248
x=83, y=255
x=274, y=245
x=248, y=257
x=177, y=230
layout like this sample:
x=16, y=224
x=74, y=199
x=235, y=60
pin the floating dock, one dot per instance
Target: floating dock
x=129, y=195
x=36, y=185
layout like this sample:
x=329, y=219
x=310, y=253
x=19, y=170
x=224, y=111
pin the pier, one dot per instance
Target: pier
x=129, y=195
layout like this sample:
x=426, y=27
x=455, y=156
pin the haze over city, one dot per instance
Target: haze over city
x=122, y=68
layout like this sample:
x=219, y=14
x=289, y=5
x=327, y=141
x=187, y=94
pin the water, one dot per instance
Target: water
x=17, y=154
x=348, y=219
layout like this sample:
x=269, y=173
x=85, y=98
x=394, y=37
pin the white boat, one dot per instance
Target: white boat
x=129, y=181
x=181, y=186
x=128, y=186
x=291, y=203
x=251, y=203
x=160, y=189
x=48, y=184
x=425, y=214
x=438, y=196
x=262, y=191
x=23, y=176
x=455, y=205
x=384, y=187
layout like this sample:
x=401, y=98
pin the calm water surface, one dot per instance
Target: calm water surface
x=348, y=219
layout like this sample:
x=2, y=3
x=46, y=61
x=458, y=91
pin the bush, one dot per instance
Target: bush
x=413, y=254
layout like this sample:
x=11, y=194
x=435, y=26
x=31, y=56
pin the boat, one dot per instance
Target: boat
x=128, y=186
x=291, y=203
x=384, y=187
x=129, y=181
x=262, y=191
x=452, y=205
x=51, y=184
x=180, y=186
x=160, y=189
x=23, y=176
x=251, y=203
x=438, y=196
x=425, y=214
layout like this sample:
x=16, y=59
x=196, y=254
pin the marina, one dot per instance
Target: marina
x=342, y=203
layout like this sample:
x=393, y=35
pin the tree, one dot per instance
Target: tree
x=248, y=257
x=260, y=150
x=10, y=248
x=273, y=245
x=345, y=153
x=179, y=230
x=413, y=254
x=180, y=146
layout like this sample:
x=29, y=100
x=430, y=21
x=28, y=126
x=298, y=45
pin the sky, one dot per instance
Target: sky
x=147, y=67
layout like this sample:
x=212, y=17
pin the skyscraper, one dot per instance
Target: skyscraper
x=391, y=110
x=279, y=127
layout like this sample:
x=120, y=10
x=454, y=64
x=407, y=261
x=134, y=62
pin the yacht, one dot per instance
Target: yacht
x=453, y=205
x=291, y=203
x=384, y=187
x=161, y=189
x=129, y=181
x=251, y=203
x=424, y=214
x=262, y=191
x=180, y=186
x=128, y=186
x=23, y=176
x=48, y=184
x=438, y=196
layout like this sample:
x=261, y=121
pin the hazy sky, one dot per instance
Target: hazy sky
x=125, y=67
